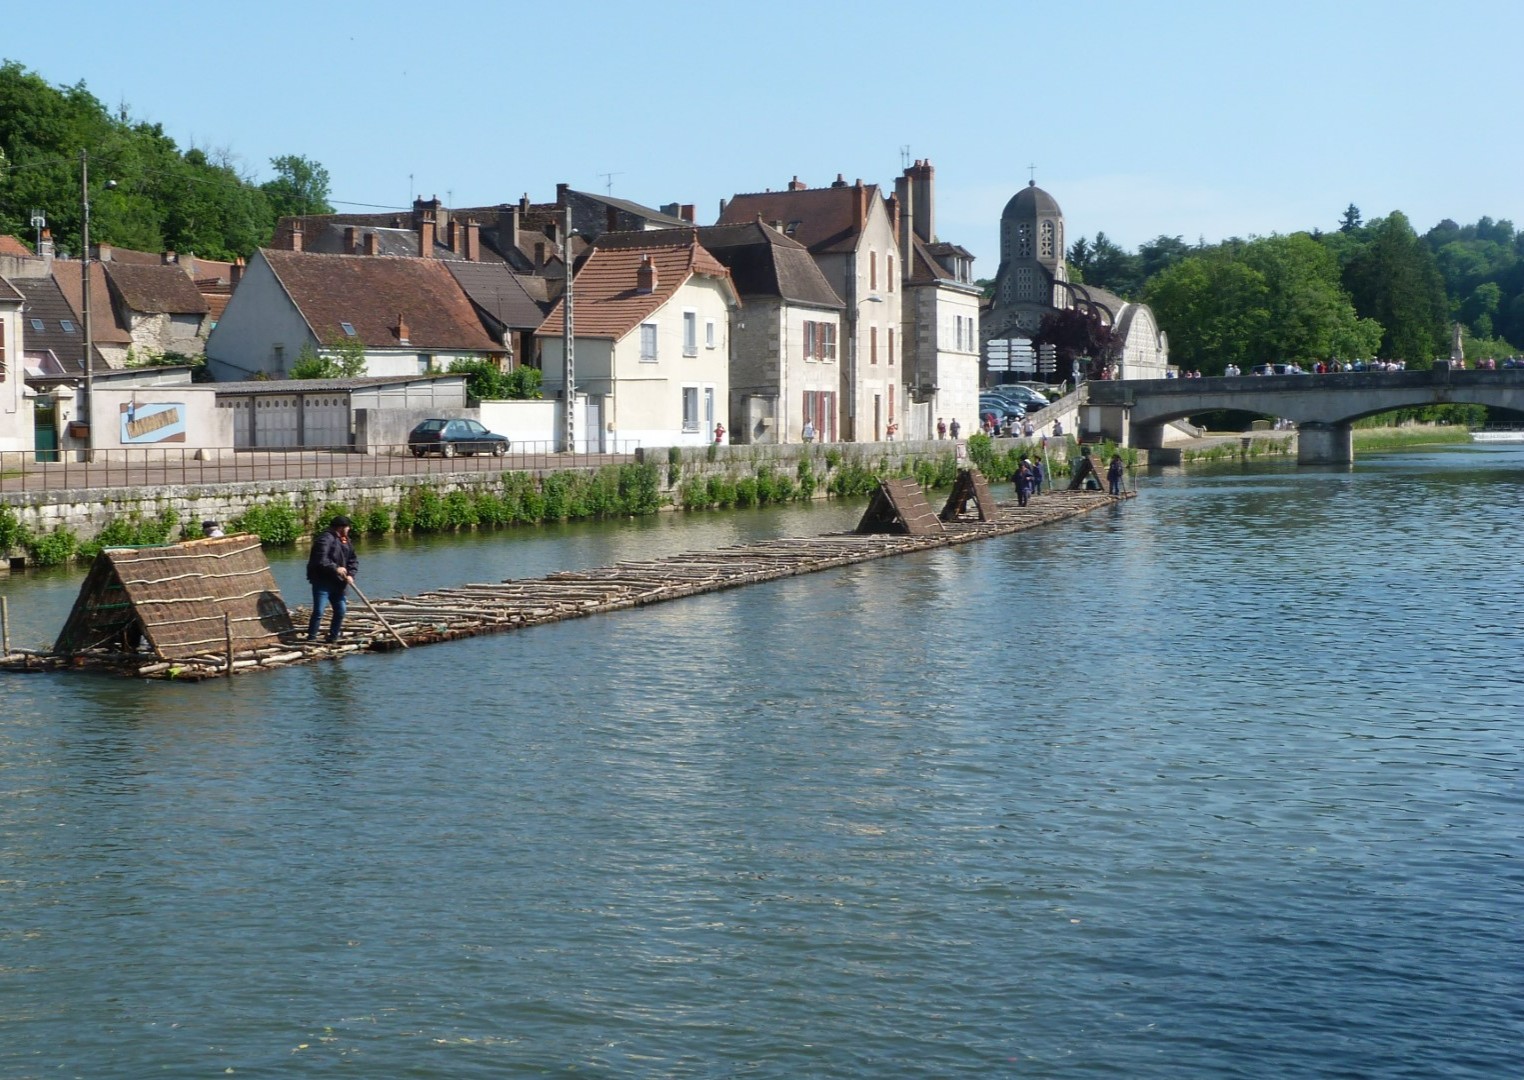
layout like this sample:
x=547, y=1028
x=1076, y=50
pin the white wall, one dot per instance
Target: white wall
x=259, y=317
x=529, y=425
x=15, y=407
x=175, y=422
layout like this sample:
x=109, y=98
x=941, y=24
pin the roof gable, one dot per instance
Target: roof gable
x=822, y=219
x=155, y=289
x=370, y=292
x=605, y=294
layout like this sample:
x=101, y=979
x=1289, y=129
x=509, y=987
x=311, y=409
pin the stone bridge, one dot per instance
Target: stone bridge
x=1135, y=412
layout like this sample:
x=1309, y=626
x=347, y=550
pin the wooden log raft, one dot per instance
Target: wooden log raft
x=494, y=607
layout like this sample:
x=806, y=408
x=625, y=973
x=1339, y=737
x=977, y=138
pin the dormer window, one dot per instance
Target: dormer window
x=348, y=328
x=791, y=228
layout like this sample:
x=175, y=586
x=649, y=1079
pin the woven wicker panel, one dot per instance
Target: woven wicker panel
x=177, y=595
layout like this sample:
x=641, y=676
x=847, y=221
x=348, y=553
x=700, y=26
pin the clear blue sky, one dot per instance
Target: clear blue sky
x=1201, y=120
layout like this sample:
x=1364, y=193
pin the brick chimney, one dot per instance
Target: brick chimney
x=859, y=206
x=645, y=276
x=372, y=244
x=923, y=182
x=169, y=258
x=45, y=244
x=904, y=197
x=838, y=182
x=294, y=241
x=402, y=332
x=610, y=219
x=426, y=238
x=103, y=252
x=235, y=272
x=473, y=244
x=349, y=241
x=689, y=213
x=797, y=184
x=457, y=237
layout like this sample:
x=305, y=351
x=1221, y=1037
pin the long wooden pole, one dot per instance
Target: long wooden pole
x=5, y=626
x=380, y=617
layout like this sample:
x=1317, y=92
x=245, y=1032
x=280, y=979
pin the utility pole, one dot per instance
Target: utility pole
x=568, y=342
x=84, y=285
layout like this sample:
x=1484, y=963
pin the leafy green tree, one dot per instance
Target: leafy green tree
x=300, y=186
x=1160, y=254
x=1215, y=310
x=1395, y=281
x=1310, y=316
x=341, y=358
x=486, y=382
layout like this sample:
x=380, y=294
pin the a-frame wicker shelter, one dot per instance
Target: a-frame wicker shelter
x=197, y=599
x=899, y=506
x=970, y=496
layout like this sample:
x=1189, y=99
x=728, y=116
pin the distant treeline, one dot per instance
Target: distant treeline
x=1368, y=289
x=145, y=192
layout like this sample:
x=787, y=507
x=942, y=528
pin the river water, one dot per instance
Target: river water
x=1224, y=782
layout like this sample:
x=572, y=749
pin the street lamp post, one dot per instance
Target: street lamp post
x=568, y=345
x=84, y=286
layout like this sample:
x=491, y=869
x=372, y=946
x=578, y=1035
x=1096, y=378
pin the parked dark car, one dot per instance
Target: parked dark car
x=451, y=437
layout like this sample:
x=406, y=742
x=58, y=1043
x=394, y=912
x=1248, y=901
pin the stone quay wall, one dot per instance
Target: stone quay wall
x=85, y=512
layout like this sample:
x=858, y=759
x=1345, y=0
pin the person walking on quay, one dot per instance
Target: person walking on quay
x=941, y=428
x=809, y=431
x=331, y=567
x=952, y=428
x=1114, y=474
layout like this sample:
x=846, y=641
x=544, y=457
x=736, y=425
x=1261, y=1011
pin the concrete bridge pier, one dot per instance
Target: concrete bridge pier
x=1148, y=436
x=1325, y=444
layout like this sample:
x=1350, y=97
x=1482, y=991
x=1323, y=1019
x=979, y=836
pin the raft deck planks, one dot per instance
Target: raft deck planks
x=470, y=610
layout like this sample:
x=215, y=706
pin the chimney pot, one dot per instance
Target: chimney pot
x=797, y=184
x=645, y=276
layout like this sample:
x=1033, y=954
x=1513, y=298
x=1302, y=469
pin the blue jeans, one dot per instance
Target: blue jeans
x=322, y=596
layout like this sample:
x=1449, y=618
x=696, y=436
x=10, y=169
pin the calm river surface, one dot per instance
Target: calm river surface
x=1225, y=782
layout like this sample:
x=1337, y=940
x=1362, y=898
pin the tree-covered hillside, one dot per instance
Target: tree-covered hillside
x=159, y=197
x=1367, y=289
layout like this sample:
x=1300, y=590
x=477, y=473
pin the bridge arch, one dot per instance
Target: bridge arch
x=1323, y=406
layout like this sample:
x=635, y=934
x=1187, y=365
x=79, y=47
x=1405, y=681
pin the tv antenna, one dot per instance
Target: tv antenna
x=38, y=223
x=608, y=181
x=904, y=157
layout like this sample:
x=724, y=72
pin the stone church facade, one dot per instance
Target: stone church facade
x=1033, y=281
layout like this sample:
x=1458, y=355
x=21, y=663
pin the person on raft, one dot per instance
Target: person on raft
x=331, y=567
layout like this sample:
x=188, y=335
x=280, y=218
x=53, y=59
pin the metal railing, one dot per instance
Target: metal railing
x=21, y=471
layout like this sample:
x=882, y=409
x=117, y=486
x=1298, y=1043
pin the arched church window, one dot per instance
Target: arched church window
x=1045, y=241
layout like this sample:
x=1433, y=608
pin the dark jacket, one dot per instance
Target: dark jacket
x=328, y=554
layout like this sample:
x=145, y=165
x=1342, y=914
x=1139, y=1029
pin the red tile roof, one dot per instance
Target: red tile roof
x=9, y=245
x=155, y=288
x=822, y=219
x=604, y=294
x=369, y=292
x=104, y=327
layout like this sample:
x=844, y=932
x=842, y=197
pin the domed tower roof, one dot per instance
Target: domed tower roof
x=1032, y=201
